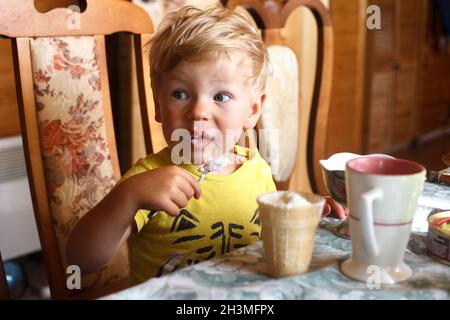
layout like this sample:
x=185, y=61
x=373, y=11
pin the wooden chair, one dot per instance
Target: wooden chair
x=4, y=290
x=66, y=121
x=299, y=153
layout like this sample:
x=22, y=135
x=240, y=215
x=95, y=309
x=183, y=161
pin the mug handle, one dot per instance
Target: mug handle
x=366, y=217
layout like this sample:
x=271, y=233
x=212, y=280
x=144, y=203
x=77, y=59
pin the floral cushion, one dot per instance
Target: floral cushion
x=280, y=115
x=74, y=144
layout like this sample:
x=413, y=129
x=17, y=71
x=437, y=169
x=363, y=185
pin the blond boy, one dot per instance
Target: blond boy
x=208, y=69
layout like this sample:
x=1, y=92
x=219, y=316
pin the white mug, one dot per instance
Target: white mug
x=382, y=195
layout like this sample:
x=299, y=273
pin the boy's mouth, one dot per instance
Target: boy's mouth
x=201, y=139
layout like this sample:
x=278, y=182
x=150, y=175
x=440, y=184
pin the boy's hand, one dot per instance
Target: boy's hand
x=333, y=206
x=168, y=189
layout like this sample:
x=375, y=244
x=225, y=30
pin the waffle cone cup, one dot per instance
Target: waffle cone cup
x=288, y=235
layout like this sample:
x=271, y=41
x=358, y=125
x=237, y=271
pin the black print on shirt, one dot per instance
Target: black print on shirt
x=255, y=220
x=229, y=235
x=183, y=221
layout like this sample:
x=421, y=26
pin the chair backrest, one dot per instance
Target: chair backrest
x=297, y=151
x=67, y=124
x=4, y=290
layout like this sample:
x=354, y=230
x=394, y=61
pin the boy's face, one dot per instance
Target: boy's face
x=212, y=102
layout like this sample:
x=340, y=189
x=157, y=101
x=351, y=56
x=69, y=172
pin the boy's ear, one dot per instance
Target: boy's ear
x=255, y=111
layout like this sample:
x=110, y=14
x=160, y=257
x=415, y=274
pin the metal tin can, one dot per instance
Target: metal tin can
x=438, y=238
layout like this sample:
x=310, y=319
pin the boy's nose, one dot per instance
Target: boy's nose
x=200, y=111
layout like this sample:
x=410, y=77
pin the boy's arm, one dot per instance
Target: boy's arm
x=101, y=232
x=333, y=208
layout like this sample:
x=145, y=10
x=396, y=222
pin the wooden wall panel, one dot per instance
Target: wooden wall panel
x=384, y=39
x=406, y=94
x=407, y=29
x=434, y=106
x=345, y=123
x=405, y=103
x=407, y=45
x=379, y=113
x=434, y=91
x=380, y=80
x=408, y=85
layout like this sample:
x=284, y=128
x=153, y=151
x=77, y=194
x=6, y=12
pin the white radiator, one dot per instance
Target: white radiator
x=18, y=232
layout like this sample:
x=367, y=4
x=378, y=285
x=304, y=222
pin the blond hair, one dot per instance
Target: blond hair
x=192, y=33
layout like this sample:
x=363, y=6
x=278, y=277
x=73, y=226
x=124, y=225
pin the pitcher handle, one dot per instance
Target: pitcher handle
x=367, y=224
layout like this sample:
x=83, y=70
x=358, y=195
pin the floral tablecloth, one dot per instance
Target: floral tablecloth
x=242, y=274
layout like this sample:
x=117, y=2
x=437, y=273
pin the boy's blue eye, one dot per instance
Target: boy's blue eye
x=222, y=97
x=179, y=95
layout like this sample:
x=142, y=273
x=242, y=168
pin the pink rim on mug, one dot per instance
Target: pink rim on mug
x=384, y=166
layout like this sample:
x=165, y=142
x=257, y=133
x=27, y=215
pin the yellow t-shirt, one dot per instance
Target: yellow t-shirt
x=224, y=218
